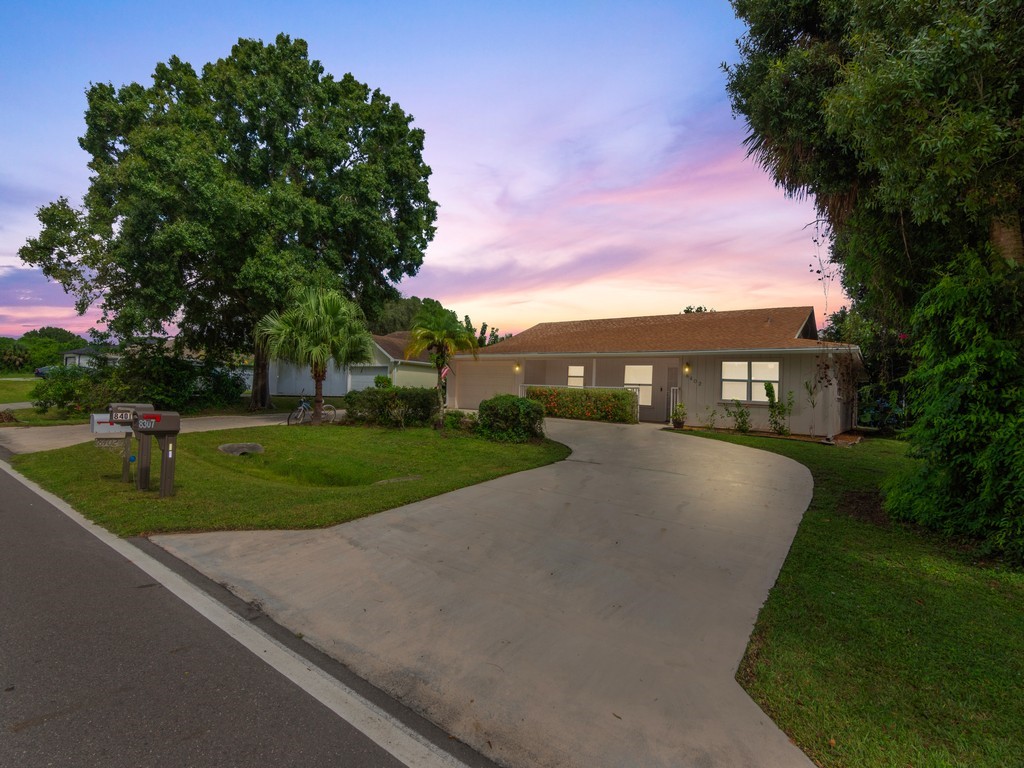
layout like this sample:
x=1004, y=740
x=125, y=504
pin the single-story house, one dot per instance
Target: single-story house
x=388, y=359
x=705, y=360
x=88, y=356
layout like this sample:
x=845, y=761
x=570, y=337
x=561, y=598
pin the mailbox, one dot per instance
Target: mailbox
x=124, y=413
x=164, y=426
x=120, y=418
x=102, y=424
x=157, y=422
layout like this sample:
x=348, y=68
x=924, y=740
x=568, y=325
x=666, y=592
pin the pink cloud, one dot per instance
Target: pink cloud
x=706, y=227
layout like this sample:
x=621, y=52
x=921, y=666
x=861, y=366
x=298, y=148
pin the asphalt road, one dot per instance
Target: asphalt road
x=100, y=665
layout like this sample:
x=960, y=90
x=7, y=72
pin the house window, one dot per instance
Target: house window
x=642, y=377
x=575, y=375
x=745, y=381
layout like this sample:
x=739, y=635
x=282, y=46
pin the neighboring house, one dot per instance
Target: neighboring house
x=704, y=360
x=88, y=356
x=388, y=359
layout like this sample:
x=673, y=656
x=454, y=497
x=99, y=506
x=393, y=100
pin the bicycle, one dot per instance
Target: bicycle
x=304, y=412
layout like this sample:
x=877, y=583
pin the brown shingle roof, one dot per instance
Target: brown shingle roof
x=394, y=345
x=777, y=328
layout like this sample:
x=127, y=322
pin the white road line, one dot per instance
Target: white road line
x=400, y=741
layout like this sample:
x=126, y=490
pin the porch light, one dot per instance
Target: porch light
x=686, y=368
x=517, y=367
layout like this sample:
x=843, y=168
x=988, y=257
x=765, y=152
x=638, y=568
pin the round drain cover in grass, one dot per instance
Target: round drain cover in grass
x=240, y=449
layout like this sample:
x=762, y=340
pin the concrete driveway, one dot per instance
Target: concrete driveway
x=590, y=613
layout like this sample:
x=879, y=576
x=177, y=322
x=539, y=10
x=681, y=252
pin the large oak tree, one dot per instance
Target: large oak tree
x=213, y=193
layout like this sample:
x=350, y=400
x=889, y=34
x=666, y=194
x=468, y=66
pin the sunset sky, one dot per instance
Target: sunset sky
x=584, y=156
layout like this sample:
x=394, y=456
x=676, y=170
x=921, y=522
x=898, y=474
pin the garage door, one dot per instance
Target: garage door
x=477, y=380
x=362, y=375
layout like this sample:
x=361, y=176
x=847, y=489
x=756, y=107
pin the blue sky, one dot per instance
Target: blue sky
x=583, y=153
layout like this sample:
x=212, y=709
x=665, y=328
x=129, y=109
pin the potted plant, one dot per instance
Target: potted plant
x=679, y=416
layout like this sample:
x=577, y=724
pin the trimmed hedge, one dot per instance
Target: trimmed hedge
x=511, y=419
x=392, y=406
x=614, y=405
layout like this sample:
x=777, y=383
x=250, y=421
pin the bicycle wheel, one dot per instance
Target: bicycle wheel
x=329, y=414
x=296, y=416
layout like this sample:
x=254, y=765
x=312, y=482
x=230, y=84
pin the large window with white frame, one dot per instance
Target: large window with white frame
x=575, y=376
x=642, y=377
x=745, y=380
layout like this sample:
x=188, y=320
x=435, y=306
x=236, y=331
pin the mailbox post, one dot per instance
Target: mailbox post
x=124, y=414
x=165, y=426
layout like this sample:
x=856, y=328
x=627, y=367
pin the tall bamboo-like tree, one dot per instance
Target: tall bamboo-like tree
x=438, y=330
x=320, y=327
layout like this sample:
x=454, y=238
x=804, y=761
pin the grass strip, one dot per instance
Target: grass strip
x=880, y=645
x=306, y=478
x=16, y=391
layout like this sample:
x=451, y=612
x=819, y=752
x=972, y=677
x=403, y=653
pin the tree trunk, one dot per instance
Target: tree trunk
x=260, y=399
x=318, y=397
x=1006, y=237
x=440, y=399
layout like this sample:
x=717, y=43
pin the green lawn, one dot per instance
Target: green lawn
x=308, y=477
x=16, y=391
x=879, y=645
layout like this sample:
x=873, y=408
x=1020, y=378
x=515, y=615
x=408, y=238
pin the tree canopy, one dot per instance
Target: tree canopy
x=903, y=121
x=212, y=193
x=37, y=348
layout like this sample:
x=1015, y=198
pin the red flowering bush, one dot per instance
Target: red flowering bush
x=614, y=405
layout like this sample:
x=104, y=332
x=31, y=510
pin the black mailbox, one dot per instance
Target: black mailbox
x=157, y=422
x=164, y=426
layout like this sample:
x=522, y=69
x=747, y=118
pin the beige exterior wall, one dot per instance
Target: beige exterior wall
x=406, y=375
x=473, y=381
x=700, y=390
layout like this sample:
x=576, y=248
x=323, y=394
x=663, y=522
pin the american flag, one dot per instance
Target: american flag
x=444, y=372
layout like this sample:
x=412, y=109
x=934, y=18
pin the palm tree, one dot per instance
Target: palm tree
x=437, y=330
x=319, y=327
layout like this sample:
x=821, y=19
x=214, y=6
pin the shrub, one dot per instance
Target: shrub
x=382, y=381
x=679, y=416
x=392, y=406
x=614, y=405
x=511, y=419
x=966, y=397
x=710, y=417
x=217, y=386
x=146, y=375
x=881, y=407
x=461, y=421
x=67, y=388
x=149, y=374
x=740, y=416
x=778, y=412
x=13, y=356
